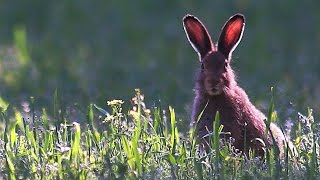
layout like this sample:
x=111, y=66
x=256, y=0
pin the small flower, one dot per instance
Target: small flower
x=134, y=114
x=115, y=102
x=120, y=115
x=109, y=118
x=134, y=108
x=63, y=148
x=147, y=112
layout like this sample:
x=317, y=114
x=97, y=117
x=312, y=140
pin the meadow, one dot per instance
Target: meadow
x=69, y=70
x=140, y=143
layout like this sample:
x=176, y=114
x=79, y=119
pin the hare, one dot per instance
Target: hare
x=216, y=89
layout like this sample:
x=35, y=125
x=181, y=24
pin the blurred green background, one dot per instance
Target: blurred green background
x=93, y=51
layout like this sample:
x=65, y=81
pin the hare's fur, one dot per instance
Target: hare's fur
x=216, y=89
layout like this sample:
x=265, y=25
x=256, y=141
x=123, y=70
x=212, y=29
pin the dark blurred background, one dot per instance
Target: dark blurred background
x=93, y=51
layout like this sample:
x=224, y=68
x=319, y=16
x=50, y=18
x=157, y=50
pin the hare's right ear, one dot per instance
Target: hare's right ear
x=231, y=35
x=198, y=35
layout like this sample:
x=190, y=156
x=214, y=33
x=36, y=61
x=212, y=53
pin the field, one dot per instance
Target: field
x=143, y=143
x=62, y=65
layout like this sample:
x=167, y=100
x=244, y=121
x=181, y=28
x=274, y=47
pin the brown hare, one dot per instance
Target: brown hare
x=216, y=89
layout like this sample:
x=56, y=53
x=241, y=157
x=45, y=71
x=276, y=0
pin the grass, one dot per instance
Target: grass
x=137, y=143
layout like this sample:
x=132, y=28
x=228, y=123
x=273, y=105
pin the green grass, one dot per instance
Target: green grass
x=137, y=143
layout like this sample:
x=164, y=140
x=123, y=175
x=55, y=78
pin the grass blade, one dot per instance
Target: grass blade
x=75, y=147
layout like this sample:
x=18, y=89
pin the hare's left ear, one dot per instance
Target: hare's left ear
x=231, y=34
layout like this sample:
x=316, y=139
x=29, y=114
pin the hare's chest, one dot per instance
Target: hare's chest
x=229, y=114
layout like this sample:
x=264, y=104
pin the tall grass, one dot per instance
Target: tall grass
x=137, y=143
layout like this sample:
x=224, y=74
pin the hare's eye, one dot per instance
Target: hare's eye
x=202, y=66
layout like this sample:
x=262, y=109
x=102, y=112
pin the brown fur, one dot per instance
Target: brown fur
x=216, y=88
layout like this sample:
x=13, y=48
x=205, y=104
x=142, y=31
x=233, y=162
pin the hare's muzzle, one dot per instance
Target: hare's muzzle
x=213, y=87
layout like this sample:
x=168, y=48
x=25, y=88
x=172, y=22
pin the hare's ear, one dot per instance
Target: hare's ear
x=231, y=34
x=198, y=35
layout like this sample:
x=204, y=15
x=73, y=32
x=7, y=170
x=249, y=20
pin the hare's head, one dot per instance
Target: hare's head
x=216, y=72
